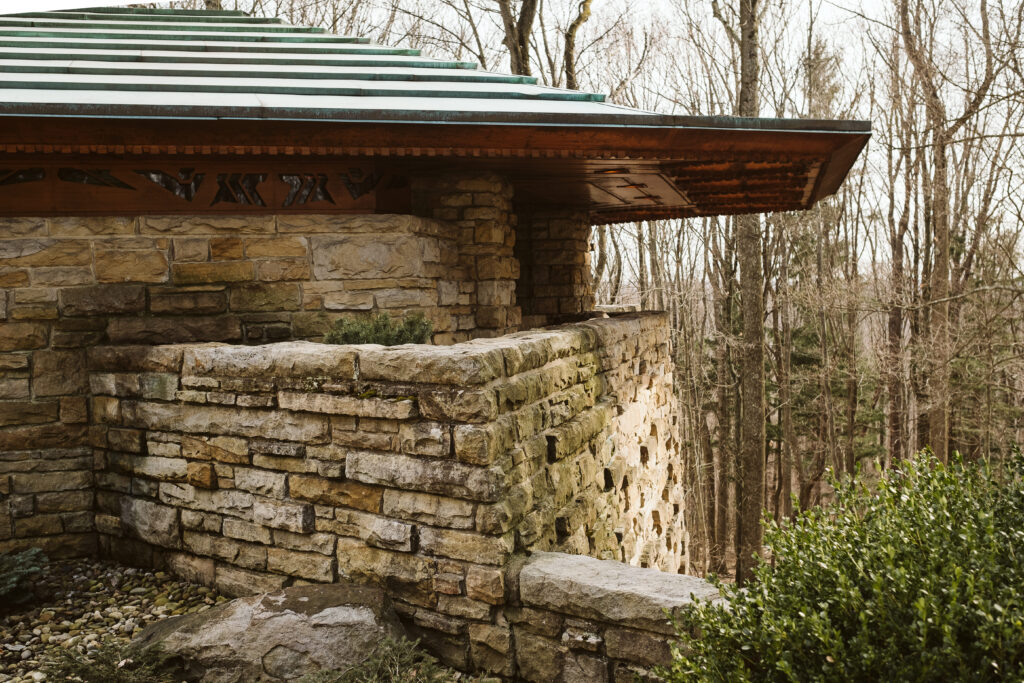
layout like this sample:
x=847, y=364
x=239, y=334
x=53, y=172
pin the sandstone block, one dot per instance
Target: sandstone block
x=430, y=476
x=456, y=365
x=317, y=489
x=202, y=475
x=18, y=336
x=226, y=421
x=208, y=273
x=164, y=469
x=281, y=269
x=260, y=481
x=275, y=247
x=491, y=648
x=45, y=252
x=225, y=248
x=287, y=359
x=116, y=265
x=225, y=449
x=30, y=482
x=191, y=568
x=23, y=227
x=270, y=296
x=240, y=553
x=222, y=328
x=348, y=301
x=28, y=412
x=206, y=225
x=151, y=522
x=58, y=373
x=14, y=389
x=297, y=517
x=102, y=300
x=540, y=659
x=38, y=525
x=463, y=545
x=236, y=582
x=608, y=591
x=312, y=543
x=458, y=405
x=312, y=566
x=246, y=531
x=428, y=509
x=64, y=501
x=191, y=249
x=389, y=534
x=425, y=438
x=180, y=301
x=383, y=255
x=638, y=647
x=487, y=585
x=346, y=405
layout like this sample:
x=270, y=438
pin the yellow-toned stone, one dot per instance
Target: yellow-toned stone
x=115, y=265
x=275, y=247
x=205, y=273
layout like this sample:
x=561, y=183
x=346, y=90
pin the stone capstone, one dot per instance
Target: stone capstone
x=277, y=636
x=608, y=591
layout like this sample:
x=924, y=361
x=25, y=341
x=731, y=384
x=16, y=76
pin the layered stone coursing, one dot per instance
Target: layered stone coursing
x=580, y=620
x=72, y=283
x=554, y=254
x=422, y=468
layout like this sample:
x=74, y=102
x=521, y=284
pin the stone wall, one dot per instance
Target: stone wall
x=580, y=620
x=72, y=283
x=425, y=469
x=553, y=248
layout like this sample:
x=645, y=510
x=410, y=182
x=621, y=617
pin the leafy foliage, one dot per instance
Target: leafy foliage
x=917, y=577
x=112, y=662
x=15, y=570
x=393, y=661
x=381, y=329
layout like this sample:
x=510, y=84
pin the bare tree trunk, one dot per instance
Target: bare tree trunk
x=518, y=30
x=750, y=475
x=213, y=4
x=570, y=45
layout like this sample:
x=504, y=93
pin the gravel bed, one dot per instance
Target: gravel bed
x=82, y=603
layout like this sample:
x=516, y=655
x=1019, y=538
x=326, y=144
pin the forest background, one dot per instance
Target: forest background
x=887, y=319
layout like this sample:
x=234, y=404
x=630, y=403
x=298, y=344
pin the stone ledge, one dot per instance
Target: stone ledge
x=608, y=591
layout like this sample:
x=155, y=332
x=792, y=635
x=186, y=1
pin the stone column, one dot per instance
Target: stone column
x=553, y=250
x=478, y=207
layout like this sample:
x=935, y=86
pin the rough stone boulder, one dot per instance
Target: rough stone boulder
x=277, y=636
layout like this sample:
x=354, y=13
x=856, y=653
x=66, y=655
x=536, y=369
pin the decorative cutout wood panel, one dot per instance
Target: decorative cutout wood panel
x=214, y=187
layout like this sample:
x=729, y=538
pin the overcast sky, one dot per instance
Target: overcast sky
x=15, y=6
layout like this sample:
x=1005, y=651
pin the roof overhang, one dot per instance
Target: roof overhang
x=619, y=168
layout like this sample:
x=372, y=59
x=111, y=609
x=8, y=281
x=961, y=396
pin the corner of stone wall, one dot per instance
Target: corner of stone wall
x=553, y=247
x=479, y=205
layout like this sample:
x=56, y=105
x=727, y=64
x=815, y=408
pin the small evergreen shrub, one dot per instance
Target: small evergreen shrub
x=15, y=570
x=111, y=662
x=917, y=577
x=393, y=661
x=381, y=329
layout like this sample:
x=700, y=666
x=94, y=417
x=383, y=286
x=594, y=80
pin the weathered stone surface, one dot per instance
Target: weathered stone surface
x=187, y=301
x=220, y=328
x=207, y=273
x=608, y=591
x=45, y=252
x=428, y=509
x=115, y=265
x=202, y=475
x=425, y=438
x=18, y=336
x=485, y=584
x=464, y=545
x=277, y=296
x=287, y=359
x=191, y=568
x=278, y=636
x=458, y=365
x=346, y=405
x=431, y=476
x=151, y=522
x=226, y=421
x=318, y=489
x=103, y=299
x=639, y=647
x=238, y=582
x=311, y=566
x=30, y=482
x=262, y=482
x=540, y=659
x=297, y=517
x=368, y=256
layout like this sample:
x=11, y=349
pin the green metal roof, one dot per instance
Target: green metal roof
x=164, y=63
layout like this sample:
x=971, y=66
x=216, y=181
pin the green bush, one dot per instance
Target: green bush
x=15, y=570
x=381, y=329
x=393, y=661
x=111, y=662
x=917, y=577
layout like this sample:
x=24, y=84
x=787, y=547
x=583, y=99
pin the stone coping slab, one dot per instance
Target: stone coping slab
x=471, y=363
x=608, y=591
